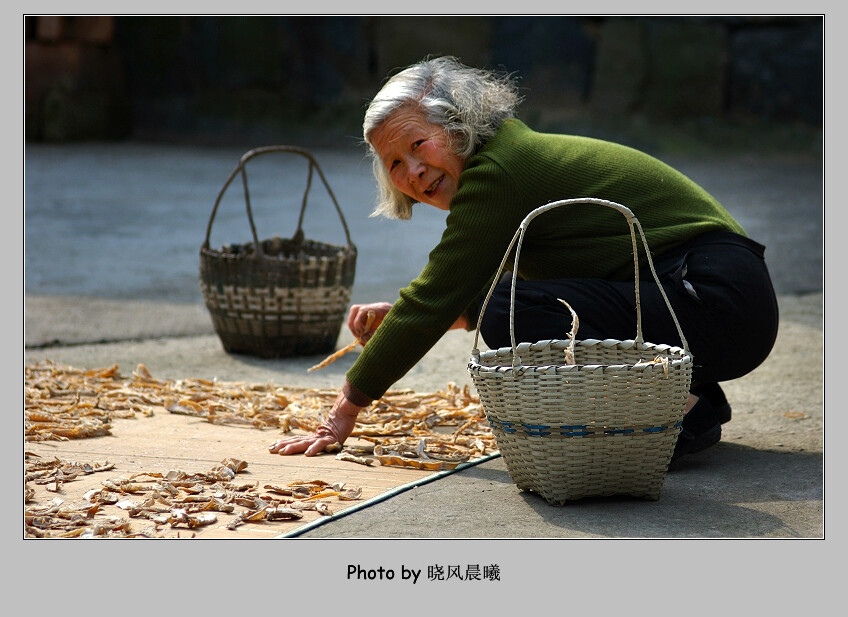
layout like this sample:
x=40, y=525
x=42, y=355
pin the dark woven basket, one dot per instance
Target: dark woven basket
x=277, y=297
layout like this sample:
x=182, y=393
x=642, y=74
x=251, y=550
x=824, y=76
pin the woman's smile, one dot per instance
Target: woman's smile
x=418, y=156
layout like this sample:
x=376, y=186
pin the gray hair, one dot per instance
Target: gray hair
x=469, y=103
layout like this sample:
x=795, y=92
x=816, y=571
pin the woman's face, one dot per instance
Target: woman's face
x=418, y=158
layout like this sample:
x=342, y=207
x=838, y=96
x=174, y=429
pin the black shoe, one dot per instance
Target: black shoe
x=716, y=396
x=701, y=429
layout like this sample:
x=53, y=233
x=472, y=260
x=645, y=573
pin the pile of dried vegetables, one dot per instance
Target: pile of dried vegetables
x=165, y=502
x=430, y=431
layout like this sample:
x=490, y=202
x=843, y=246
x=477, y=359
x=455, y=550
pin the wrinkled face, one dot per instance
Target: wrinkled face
x=418, y=158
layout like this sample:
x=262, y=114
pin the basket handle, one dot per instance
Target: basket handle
x=632, y=222
x=240, y=168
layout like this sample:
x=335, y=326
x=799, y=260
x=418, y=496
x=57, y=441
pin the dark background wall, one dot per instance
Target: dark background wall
x=307, y=79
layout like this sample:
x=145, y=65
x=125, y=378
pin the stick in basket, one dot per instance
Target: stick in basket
x=338, y=354
x=569, y=353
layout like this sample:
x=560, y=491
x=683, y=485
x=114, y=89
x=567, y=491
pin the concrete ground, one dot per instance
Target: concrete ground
x=764, y=480
x=91, y=302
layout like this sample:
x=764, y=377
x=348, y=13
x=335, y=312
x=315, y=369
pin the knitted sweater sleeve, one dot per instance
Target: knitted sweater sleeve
x=483, y=218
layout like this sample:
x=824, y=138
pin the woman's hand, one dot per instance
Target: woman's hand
x=358, y=317
x=335, y=429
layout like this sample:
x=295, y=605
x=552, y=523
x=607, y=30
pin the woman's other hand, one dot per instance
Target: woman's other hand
x=358, y=316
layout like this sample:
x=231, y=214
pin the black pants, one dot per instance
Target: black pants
x=717, y=283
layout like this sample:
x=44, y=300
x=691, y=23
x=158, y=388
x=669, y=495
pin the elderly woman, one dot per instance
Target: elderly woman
x=444, y=134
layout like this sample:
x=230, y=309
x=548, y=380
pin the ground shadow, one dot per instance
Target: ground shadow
x=732, y=491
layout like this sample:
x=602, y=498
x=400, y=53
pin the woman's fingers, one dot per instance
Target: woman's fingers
x=335, y=429
x=351, y=318
x=360, y=323
x=357, y=318
x=288, y=445
x=309, y=445
x=319, y=445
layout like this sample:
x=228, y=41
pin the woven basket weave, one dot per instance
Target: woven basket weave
x=579, y=418
x=277, y=297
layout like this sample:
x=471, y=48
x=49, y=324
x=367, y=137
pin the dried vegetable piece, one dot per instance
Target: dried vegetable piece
x=322, y=495
x=282, y=490
x=350, y=494
x=268, y=513
x=180, y=517
x=402, y=461
x=371, y=315
x=234, y=464
x=251, y=503
x=361, y=460
x=406, y=454
x=281, y=513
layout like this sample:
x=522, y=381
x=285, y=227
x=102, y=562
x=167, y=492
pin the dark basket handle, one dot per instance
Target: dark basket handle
x=240, y=168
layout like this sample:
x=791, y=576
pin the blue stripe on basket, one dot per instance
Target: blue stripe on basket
x=657, y=429
x=579, y=430
x=506, y=427
x=537, y=430
x=574, y=433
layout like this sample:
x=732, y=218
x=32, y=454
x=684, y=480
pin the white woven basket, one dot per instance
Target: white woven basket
x=574, y=418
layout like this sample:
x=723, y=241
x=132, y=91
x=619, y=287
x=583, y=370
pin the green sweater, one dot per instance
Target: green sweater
x=517, y=171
